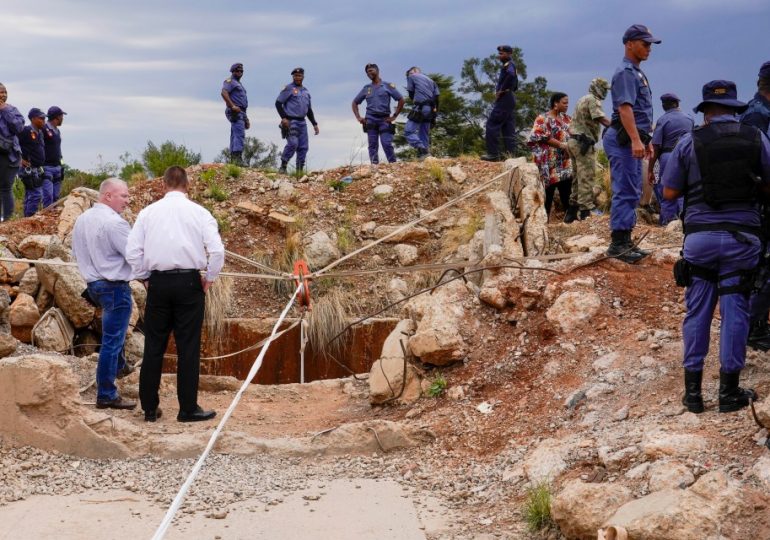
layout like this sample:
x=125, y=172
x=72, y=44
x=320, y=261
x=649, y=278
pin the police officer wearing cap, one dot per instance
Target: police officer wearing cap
x=668, y=130
x=293, y=105
x=501, y=119
x=722, y=169
x=758, y=112
x=234, y=95
x=32, y=174
x=378, y=123
x=11, y=125
x=627, y=140
x=424, y=93
x=53, y=165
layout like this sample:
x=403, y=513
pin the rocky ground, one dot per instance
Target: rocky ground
x=566, y=374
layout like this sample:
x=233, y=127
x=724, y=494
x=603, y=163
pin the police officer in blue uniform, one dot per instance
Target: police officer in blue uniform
x=501, y=119
x=671, y=126
x=293, y=105
x=627, y=140
x=722, y=169
x=234, y=95
x=11, y=125
x=378, y=123
x=758, y=112
x=31, y=172
x=53, y=166
x=424, y=93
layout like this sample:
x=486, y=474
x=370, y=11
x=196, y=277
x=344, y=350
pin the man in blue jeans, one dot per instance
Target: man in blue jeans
x=99, y=245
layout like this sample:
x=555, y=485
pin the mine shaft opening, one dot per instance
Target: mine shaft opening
x=359, y=348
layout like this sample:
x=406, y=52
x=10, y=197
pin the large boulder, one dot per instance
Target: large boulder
x=406, y=254
x=5, y=308
x=393, y=370
x=573, y=308
x=581, y=508
x=320, y=250
x=439, y=317
x=8, y=345
x=11, y=272
x=34, y=246
x=139, y=293
x=29, y=283
x=501, y=227
x=78, y=201
x=134, y=348
x=66, y=285
x=547, y=461
x=23, y=315
x=54, y=333
x=529, y=196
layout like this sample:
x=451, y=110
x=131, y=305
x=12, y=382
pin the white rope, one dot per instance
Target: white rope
x=164, y=525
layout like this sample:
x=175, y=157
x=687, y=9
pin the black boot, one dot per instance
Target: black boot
x=620, y=248
x=571, y=214
x=759, y=335
x=488, y=157
x=236, y=158
x=282, y=170
x=693, y=399
x=637, y=249
x=731, y=396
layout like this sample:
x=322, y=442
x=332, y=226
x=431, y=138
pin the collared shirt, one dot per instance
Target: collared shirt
x=11, y=124
x=421, y=88
x=507, y=83
x=682, y=171
x=32, y=146
x=295, y=100
x=630, y=86
x=52, y=140
x=174, y=233
x=237, y=92
x=758, y=113
x=585, y=121
x=99, y=245
x=671, y=126
x=378, y=97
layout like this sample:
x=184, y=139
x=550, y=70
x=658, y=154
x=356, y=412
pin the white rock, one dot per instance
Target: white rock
x=383, y=190
x=547, y=461
x=320, y=250
x=669, y=475
x=573, y=308
x=406, y=254
x=285, y=189
x=397, y=290
x=457, y=174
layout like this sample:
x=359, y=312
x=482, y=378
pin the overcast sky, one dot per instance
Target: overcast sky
x=129, y=72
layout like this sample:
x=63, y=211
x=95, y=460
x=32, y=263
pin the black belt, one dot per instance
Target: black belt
x=116, y=282
x=690, y=228
x=378, y=115
x=666, y=150
x=421, y=103
x=176, y=271
x=296, y=118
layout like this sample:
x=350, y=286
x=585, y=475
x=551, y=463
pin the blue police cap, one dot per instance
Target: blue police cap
x=639, y=32
x=236, y=66
x=722, y=93
x=670, y=97
x=505, y=48
x=298, y=70
x=371, y=65
x=34, y=112
x=764, y=70
x=55, y=111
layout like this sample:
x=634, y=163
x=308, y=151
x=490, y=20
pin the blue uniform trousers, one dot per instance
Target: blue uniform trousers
x=501, y=120
x=54, y=173
x=760, y=302
x=237, y=131
x=114, y=297
x=37, y=188
x=417, y=134
x=296, y=141
x=720, y=251
x=379, y=131
x=626, y=176
x=669, y=210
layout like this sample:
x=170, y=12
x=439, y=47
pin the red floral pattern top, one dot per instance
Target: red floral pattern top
x=554, y=163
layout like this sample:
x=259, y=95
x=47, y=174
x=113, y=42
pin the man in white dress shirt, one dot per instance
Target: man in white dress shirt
x=99, y=245
x=172, y=241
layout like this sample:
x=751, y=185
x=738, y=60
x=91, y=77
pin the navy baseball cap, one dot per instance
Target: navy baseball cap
x=371, y=65
x=34, y=112
x=236, y=66
x=721, y=93
x=505, y=48
x=764, y=70
x=55, y=111
x=639, y=32
x=670, y=97
x=298, y=70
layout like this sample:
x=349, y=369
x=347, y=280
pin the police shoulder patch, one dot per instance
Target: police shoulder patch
x=392, y=85
x=228, y=80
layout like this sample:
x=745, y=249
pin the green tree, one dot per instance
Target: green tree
x=131, y=167
x=256, y=154
x=157, y=159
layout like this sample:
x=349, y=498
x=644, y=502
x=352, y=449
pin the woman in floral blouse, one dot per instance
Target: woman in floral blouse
x=548, y=142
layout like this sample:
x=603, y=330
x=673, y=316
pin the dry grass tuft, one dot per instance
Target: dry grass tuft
x=461, y=234
x=217, y=302
x=329, y=317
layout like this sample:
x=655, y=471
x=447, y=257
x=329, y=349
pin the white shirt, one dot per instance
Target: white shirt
x=175, y=233
x=99, y=245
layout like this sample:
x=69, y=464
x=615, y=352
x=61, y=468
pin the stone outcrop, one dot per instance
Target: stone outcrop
x=66, y=285
x=573, y=308
x=29, y=283
x=23, y=315
x=54, y=333
x=320, y=250
x=78, y=201
x=393, y=370
x=8, y=345
x=580, y=509
x=11, y=272
x=34, y=246
x=529, y=197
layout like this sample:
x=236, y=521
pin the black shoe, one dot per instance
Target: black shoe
x=759, y=336
x=621, y=249
x=117, y=403
x=125, y=371
x=282, y=169
x=198, y=415
x=489, y=158
x=152, y=416
x=731, y=396
x=693, y=399
x=571, y=214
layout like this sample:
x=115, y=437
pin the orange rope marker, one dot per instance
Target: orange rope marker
x=300, y=271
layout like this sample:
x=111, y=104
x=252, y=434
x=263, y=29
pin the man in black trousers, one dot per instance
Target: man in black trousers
x=172, y=242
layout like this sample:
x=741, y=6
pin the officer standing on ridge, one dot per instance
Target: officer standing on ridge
x=501, y=119
x=234, y=95
x=720, y=169
x=627, y=140
x=378, y=123
x=53, y=166
x=32, y=174
x=671, y=126
x=293, y=105
x=758, y=115
x=423, y=91
x=584, y=132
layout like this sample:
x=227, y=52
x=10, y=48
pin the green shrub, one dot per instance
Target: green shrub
x=131, y=168
x=232, y=170
x=76, y=178
x=158, y=158
x=208, y=175
x=537, y=507
x=437, y=386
